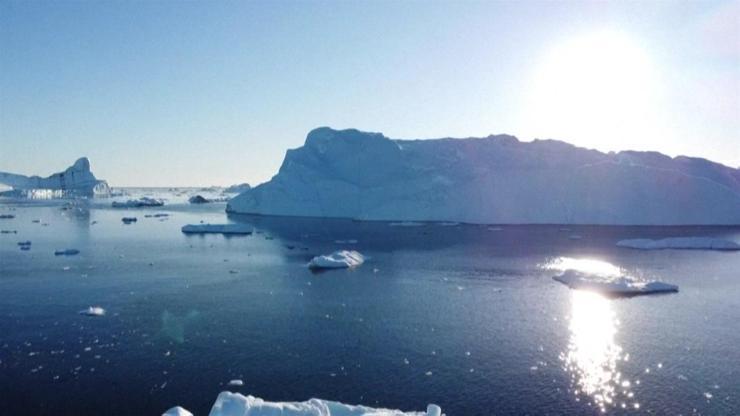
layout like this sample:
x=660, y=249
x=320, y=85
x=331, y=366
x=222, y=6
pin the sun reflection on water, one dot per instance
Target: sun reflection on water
x=592, y=357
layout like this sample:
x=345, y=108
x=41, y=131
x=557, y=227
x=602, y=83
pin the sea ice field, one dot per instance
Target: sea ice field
x=467, y=317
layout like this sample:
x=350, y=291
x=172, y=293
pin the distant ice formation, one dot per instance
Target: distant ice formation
x=492, y=180
x=77, y=180
x=235, y=404
x=93, y=311
x=198, y=199
x=67, y=252
x=243, y=229
x=138, y=203
x=337, y=260
x=613, y=286
x=680, y=243
x=238, y=188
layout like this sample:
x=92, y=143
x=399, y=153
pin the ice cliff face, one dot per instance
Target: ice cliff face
x=75, y=180
x=497, y=179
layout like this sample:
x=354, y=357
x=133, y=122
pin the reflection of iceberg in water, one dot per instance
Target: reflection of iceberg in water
x=592, y=357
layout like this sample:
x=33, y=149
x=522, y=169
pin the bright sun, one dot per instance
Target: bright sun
x=598, y=90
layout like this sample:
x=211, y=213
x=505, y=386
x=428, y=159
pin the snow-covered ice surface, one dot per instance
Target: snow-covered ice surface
x=492, y=180
x=680, y=243
x=218, y=229
x=77, y=180
x=613, y=286
x=340, y=259
x=235, y=404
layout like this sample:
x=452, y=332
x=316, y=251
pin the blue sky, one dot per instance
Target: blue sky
x=201, y=93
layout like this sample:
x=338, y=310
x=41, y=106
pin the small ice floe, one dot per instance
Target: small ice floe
x=622, y=285
x=236, y=382
x=337, y=260
x=575, y=237
x=177, y=411
x=680, y=243
x=242, y=229
x=93, y=311
x=495, y=229
x=67, y=252
x=128, y=220
x=157, y=215
x=229, y=403
x=448, y=224
x=138, y=203
x=8, y=232
x=352, y=241
x=6, y=216
x=406, y=224
x=23, y=244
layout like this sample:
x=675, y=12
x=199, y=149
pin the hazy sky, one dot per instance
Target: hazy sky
x=176, y=93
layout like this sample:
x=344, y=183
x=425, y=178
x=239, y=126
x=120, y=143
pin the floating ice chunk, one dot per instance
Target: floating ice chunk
x=236, y=382
x=137, y=203
x=681, y=243
x=575, y=237
x=6, y=216
x=157, y=215
x=449, y=224
x=233, y=404
x=198, y=199
x=337, y=260
x=242, y=229
x=352, y=241
x=612, y=285
x=177, y=411
x=67, y=252
x=93, y=311
x=128, y=220
x=24, y=243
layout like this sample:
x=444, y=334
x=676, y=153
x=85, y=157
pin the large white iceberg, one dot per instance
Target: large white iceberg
x=76, y=180
x=615, y=286
x=217, y=229
x=682, y=243
x=235, y=404
x=341, y=259
x=492, y=180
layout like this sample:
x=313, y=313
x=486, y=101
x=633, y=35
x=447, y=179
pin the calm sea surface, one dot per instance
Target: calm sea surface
x=467, y=317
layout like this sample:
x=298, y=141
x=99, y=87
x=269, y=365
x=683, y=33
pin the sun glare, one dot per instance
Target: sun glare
x=597, y=90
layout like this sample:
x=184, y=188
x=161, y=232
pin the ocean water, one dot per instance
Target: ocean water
x=467, y=317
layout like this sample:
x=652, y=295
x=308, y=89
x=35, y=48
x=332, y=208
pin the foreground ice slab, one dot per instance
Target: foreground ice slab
x=341, y=259
x=492, y=180
x=243, y=229
x=614, y=286
x=138, y=203
x=77, y=180
x=235, y=404
x=682, y=243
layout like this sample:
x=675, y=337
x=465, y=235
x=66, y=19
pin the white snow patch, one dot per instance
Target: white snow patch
x=337, y=260
x=243, y=229
x=623, y=285
x=680, y=243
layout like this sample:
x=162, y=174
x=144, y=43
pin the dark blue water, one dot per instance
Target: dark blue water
x=465, y=317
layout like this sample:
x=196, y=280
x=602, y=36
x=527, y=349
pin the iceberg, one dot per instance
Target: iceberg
x=77, y=180
x=93, y=311
x=242, y=229
x=235, y=404
x=177, y=411
x=492, y=180
x=237, y=189
x=67, y=252
x=341, y=259
x=128, y=220
x=680, y=243
x=198, y=199
x=613, y=286
x=138, y=203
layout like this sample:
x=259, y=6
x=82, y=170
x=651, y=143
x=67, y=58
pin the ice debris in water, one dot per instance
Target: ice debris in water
x=137, y=203
x=243, y=229
x=235, y=404
x=128, y=220
x=680, y=243
x=93, y=311
x=67, y=252
x=6, y=216
x=622, y=285
x=236, y=382
x=337, y=260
